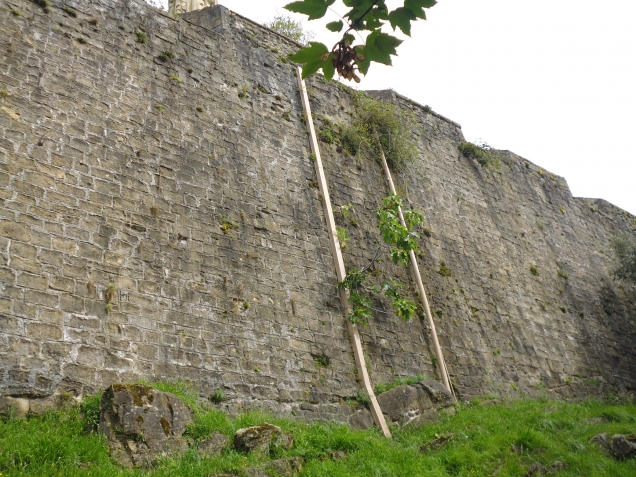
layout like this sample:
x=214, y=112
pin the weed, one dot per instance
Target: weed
x=541, y=172
x=176, y=79
x=256, y=369
x=496, y=352
x=166, y=56
x=217, y=396
x=562, y=274
x=343, y=237
x=286, y=117
x=17, y=13
x=534, y=270
x=82, y=40
x=427, y=232
x=246, y=305
x=323, y=361
x=199, y=109
x=439, y=313
x=568, y=380
x=312, y=156
x=312, y=183
x=562, y=209
x=141, y=37
x=242, y=94
x=160, y=108
x=347, y=210
x=540, y=224
x=444, y=270
x=381, y=388
x=514, y=386
x=581, y=314
x=227, y=225
x=4, y=93
x=109, y=296
x=363, y=398
x=70, y=12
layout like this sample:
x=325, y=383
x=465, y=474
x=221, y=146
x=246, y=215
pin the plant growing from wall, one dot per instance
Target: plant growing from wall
x=286, y=25
x=401, y=240
x=624, y=257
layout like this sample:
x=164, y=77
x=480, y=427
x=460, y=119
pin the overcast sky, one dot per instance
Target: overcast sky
x=551, y=80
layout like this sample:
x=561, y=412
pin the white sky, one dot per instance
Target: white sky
x=551, y=80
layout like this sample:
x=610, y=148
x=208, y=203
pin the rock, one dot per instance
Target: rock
x=448, y=411
x=286, y=467
x=256, y=438
x=437, y=443
x=42, y=406
x=440, y=396
x=621, y=447
x=284, y=441
x=16, y=408
x=361, y=420
x=558, y=466
x=429, y=416
x=536, y=469
x=404, y=403
x=595, y=420
x=254, y=472
x=213, y=445
x=141, y=423
x=335, y=455
x=601, y=439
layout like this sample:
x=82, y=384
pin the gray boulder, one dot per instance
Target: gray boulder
x=404, y=403
x=256, y=438
x=141, y=423
x=213, y=445
x=286, y=467
x=623, y=446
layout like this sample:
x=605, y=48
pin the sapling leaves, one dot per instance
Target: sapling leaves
x=363, y=15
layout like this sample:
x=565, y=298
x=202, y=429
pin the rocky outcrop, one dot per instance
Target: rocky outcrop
x=416, y=404
x=213, y=445
x=262, y=438
x=141, y=423
x=619, y=445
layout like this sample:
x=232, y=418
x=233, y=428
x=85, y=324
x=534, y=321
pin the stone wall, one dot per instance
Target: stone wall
x=184, y=180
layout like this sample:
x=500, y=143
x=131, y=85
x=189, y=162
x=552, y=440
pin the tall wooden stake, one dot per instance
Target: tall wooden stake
x=341, y=272
x=443, y=372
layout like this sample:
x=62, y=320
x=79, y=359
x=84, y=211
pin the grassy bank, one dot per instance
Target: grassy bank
x=501, y=440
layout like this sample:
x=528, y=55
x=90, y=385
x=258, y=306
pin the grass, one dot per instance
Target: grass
x=482, y=153
x=381, y=388
x=503, y=440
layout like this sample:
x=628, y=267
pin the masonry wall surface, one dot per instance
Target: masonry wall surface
x=186, y=182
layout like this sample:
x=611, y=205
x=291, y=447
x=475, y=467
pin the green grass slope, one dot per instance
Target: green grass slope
x=501, y=440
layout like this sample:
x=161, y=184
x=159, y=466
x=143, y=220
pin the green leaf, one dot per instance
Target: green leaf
x=380, y=46
x=335, y=26
x=309, y=53
x=402, y=17
x=314, y=9
x=417, y=7
x=328, y=69
x=350, y=38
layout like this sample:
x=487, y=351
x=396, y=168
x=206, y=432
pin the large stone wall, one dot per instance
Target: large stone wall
x=186, y=183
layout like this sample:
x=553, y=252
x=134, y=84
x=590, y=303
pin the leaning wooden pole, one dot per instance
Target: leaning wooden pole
x=443, y=371
x=341, y=272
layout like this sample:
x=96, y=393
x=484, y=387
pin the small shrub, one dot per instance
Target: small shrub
x=323, y=361
x=427, y=232
x=44, y=4
x=141, y=37
x=624, y=257
x=217, y=396
x=70, y=12
x=363, y=398
x=227, y=225
x=286, y=117
x=444, y=270
x=343, y=237
x=166, y=56
x=534, y=270
x=482, y=153
x=246, y=305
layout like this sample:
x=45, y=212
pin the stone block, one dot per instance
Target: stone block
x=17, y=408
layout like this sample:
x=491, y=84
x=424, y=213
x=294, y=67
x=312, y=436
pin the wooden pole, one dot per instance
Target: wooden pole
x=341, y=272
x=443, y=372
